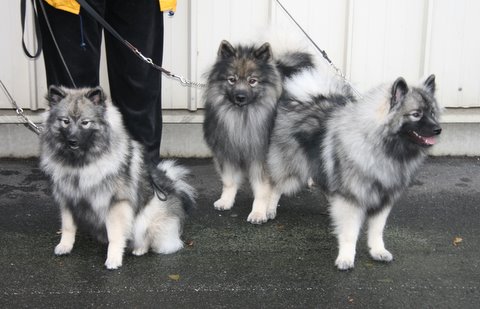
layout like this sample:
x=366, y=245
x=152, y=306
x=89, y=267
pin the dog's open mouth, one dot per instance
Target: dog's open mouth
x=241, y=104
x=426, y=141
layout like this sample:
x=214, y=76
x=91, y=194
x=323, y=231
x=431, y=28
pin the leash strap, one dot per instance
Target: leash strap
x=23, y=9
x=87, y=7
x=321, y=51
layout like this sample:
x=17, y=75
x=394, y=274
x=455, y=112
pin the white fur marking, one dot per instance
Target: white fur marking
x=69, y=230
x=262, y=192
x=231, y=179
x=347, y=221
x=376, y=225
x=118, y=223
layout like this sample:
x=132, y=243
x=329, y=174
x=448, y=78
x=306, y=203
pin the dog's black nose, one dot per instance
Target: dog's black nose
x=72, y=143
x=240, y=98
x=437, y=130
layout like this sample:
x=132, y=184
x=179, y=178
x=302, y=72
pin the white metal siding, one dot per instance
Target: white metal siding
x=455, y=51
x=372, y=41
x=16, y=71
x=215, y=20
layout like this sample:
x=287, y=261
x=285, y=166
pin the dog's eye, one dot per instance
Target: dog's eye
x=85, y=123
x=253, y=82
x=64, y=121
x=231, y=80
x=416, y=114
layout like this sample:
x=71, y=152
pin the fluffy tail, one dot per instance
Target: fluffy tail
x=170, y=177
x=292, y=62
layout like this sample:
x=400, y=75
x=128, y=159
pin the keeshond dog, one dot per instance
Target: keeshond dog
x=101, y=182
x=243, y=88
x=362, y=150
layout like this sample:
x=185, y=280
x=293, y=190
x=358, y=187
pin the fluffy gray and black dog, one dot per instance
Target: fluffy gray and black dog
x=362, y=150
x=101, y=181
x=243, y=89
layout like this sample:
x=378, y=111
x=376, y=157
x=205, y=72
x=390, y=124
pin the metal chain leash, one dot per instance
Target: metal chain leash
x=182, y=80
x=20, y=113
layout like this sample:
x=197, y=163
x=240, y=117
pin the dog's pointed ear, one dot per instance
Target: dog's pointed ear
x=430, y=84
x=96, y=95
x=264, y=52
x=55, y=95
x=399, y=91
x=226, y=50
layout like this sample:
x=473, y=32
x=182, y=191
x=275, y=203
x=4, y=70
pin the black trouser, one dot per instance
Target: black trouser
x=134, y=85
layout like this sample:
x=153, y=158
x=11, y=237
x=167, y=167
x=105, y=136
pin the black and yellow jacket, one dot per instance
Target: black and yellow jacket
x=72, y=6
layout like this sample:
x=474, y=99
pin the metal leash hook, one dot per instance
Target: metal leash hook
x=185, y=82
x=182, y=80
x=140, y=55
x=26, y=121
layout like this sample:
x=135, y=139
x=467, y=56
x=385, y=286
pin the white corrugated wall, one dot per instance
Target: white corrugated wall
x=370, y=40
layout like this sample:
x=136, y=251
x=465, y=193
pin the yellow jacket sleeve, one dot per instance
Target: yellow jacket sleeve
x=72, y=6
x=168, y=5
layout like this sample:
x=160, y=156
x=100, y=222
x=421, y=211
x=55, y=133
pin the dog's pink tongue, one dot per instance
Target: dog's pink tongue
x=429, y=140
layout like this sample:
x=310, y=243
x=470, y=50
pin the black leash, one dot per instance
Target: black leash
x=321, y=51
x=23, y=9
x=56, y=44
x=87, y=7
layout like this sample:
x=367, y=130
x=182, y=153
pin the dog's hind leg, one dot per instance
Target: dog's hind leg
x=376, y=225
x=167, y=236
x=118, y=223
x=231, y=180
x=347, y=221
x=69, y=230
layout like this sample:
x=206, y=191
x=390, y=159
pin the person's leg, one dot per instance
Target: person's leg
x=79, y=40
x=134, y=85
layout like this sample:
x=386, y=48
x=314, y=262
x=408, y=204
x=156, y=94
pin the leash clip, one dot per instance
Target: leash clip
x=141, y=56
x=186, y=82
x=181, y=79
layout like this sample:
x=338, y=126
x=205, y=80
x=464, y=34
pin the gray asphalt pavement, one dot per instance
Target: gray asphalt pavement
x=433, y=233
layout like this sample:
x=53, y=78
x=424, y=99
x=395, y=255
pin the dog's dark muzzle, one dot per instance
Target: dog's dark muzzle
x=73, y=143
x=426, y=138
x=240, y=98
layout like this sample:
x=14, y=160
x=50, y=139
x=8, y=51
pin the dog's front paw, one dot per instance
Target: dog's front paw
x=382, y=255
x=113, y=261
x=62, y=249
x=257, y=218
x=345, y=262
x=223, y=204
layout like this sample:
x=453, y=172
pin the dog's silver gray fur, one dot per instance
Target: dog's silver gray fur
x=363, y=151
x=100, y=179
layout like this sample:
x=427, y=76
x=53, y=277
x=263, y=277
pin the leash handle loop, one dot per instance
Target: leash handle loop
x=23, y=9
